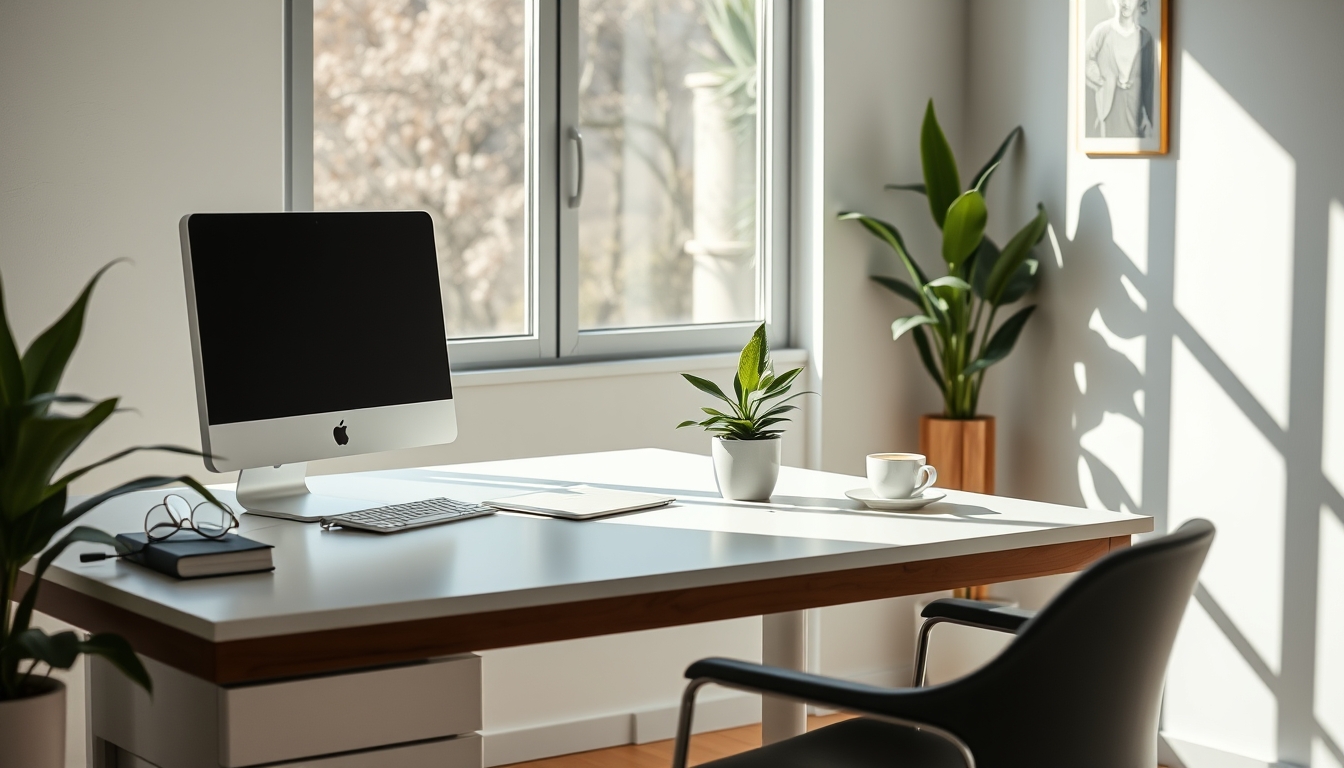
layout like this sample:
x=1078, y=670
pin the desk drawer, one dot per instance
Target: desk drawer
x=275, y=722
x=461, y=752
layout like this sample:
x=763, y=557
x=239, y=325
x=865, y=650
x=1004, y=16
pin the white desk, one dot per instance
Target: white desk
x=340, y=601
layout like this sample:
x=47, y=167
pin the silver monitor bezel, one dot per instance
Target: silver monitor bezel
x=308, y=437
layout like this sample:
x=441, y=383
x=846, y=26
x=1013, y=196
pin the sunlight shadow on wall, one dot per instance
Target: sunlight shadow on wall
x=1329, y=678
x=1124, y=186
x=1234, y=237
x=1108, y=420
x=1224, y=469
x=1233, y=273
x=1332, y=457
x=1329, y=704
x=1242, y=717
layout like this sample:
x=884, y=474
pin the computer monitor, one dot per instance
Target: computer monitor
x=314, y=335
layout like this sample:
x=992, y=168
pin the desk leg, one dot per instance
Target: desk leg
x=783, y=644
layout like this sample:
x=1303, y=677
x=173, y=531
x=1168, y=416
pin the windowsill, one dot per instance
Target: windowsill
x=608, y=368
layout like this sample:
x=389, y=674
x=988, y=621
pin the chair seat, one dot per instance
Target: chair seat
x=857, y=743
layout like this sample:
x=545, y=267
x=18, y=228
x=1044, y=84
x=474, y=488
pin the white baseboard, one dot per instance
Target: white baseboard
x=1176, y=753
x=712, y=713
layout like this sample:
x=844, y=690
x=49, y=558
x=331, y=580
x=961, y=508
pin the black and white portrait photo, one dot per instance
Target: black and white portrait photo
x=1121, y=75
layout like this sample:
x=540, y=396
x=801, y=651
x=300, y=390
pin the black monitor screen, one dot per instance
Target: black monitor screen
x=303, y=313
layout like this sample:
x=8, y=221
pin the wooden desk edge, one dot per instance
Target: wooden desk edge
x=308, y=653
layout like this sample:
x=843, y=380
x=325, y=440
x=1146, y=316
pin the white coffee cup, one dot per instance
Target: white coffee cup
x=899, y=475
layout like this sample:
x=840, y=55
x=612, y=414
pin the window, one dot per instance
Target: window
x=601, y=173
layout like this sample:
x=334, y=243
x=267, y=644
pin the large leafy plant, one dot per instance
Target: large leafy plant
x=38, y=433
x=954, y=327
x=760, y=397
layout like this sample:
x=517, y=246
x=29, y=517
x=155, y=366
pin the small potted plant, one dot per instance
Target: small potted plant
x=37, y=435
x=954, y=323
x=747, y=434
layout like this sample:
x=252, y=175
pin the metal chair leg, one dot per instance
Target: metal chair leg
x=681, y=750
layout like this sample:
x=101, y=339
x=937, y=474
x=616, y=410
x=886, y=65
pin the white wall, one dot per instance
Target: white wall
x=1178, y=365
x=867, y=70
x=119, y=120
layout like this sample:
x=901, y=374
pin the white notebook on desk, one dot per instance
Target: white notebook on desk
x=581, y=502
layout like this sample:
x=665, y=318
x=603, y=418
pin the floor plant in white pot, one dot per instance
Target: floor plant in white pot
x=39, y=429
x=747, y=436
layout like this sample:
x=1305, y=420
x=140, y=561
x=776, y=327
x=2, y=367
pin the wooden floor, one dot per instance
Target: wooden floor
x=658, y=754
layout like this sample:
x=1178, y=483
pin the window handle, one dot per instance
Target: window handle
x=576, y=199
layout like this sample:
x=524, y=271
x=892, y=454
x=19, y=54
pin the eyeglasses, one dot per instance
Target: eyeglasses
x=174, y=513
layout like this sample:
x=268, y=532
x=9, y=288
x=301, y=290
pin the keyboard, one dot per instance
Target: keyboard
x=404, y=517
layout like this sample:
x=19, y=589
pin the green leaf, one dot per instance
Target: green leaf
x=139, y=484
x=926, y=356
x=904, y=324
x=751, y=363
x=977, y=187
x=61, y=650
x=24, y=612
x=1022, y=281
x=45, y=360
x=1001, y=343
x=986, y=256
x=41, y=446
x=58, y=651
x=118, y=652
x=781, y=384
x=774, y=412
x=898, y=287
x=706, y=386
x=950, y=281
x=920, y=188
x=938, y=310
x=982, y=178
x=32, y=531
x=12, y=387
x=892, y=237
x=70, y=477
x=941, y=181
x=688, y=423
x=964, y=228
x=52, y=397
x=1014, y=254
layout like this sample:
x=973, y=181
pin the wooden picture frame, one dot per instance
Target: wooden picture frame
x=1121, y=76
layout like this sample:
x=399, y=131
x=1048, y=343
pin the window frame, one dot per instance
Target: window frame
x=552, y=227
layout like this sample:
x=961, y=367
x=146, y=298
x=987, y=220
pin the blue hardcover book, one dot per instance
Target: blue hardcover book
x=189, y=555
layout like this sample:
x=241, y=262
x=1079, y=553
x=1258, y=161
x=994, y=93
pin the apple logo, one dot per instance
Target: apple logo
x=339, y=434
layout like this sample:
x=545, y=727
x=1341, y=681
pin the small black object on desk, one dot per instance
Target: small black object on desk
x=189, y=555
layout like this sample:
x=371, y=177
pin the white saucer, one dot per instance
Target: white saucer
x=874, y=501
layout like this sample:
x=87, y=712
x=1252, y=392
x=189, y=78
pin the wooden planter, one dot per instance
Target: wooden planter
x=962, y=450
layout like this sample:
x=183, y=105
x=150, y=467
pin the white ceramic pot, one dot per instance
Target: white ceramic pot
x=32, y=729
x=746, y=470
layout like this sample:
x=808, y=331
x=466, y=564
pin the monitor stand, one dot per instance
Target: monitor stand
x=282, y=491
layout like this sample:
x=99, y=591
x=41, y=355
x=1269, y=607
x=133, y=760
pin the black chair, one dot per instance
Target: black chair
x=1079, y=687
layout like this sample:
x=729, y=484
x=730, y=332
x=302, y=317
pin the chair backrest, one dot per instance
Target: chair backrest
x=1081, y=685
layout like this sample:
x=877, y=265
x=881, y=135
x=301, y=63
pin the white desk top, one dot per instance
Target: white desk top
x=329, y=580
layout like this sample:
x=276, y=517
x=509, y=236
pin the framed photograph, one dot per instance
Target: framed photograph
x=1121, y=76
